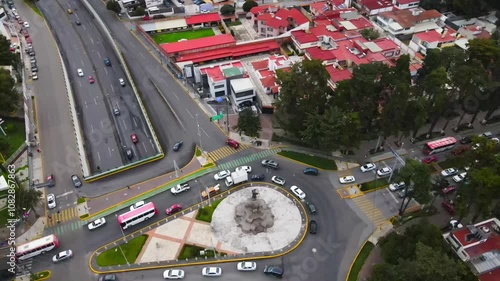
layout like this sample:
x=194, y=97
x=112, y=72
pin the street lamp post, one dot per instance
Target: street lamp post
x=120, y=247
x=199, y=133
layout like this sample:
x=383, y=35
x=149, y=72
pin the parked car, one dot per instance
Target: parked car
x=405, y=192
x=476, y=146
x=258, y=177
x=76, y=181
x=270, y=164
x=96, y=224
x=222, y=175
x=173, y=274
x=430, y=159
x=384, y=172
x=244, y=104
x=246, y=266
x=211, y=271
x=137, y=205
x=449, y=172
x=449, y=206
x=368, y=167
x=51, y=201
x=311, y=207
x=487, y=135
x=448, y=189
x=460, y=177
x=465, y=140
x=173, y=209
x=311, y=171
x=64, y=255
x=232, y=143
x=395, y=186
x=273, y=270
x=347, y=179
x=129, y=152
x=247, y=169
x=278, y=180
x=116, y=111
x=26, y=24
x=459, y=150
x=298, y=192
x=313, y=227
x=178, y=145
x=180, y=188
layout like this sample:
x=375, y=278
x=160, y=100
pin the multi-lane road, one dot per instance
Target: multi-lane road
x=340, y=233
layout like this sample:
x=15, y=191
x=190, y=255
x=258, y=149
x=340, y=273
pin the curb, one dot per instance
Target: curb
x=302, y=163
x=375, y=189
x=211, y=261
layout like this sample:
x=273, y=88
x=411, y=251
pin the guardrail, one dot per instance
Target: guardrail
x=127, y=72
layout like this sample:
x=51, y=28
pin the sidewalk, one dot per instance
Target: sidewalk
x=118, y=199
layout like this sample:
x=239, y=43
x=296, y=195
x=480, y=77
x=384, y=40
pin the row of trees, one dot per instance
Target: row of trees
x=384, y=100
x=470, y=8
x=420, y=253
x=8, y=94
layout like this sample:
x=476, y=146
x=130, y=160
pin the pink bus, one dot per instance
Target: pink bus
x=36, y=247
x=439, y=145
x=138, y=215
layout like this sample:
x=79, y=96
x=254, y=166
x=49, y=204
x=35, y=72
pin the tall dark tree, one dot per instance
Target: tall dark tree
x=113, y=5
x=437, y=94
x=9, y=97
x=248, y=5
x=249, y=123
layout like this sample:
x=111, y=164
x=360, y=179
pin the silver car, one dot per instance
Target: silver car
x=211, y=271
x=64, y=255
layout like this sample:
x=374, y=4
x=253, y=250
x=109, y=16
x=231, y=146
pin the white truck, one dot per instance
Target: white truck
x=237, y=177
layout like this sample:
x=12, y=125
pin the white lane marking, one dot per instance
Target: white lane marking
x=393, y=197
x=124, y=124
x=102, y=124
x=189, y=113
x=84, y=28
x=112, y=88
x=95, y=101
x=92, y=42
x=135, y=122
x=140, y=54
x=146, y=133
x=105, y=70
x=118, y=105
x=176, y=95
x=99, y=156
x=80, y=82
x=92, y=128
x=109, y=150
x=145, y=149
x=82, y=63
x=85, y=104
x=205, y=132
x=64, y=194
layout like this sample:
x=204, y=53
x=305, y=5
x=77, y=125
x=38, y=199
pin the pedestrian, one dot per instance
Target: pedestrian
x=38, y=150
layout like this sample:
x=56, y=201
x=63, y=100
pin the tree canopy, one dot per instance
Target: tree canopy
x=249, y=4
x=249, y=123
x=227, y=10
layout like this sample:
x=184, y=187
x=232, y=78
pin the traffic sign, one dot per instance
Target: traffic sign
x=217, y=117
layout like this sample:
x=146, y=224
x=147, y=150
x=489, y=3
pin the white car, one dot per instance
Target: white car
x=347, y=179
x=26, y=24
x=180, y=188
x=211, y=271
x=137, y=205
x=368, y=167
x=64, y=255
x=278, y=180
x=80, y=72
x=476, y=146
x=384, y=171
x=96, y=224
x=51, y=201
x=460, y=177
x=449, y=172
x=248, y=169
x=173, y=274
x=122, y=82
x=222, y=175
x=246, y=266
x=298, y=192
x=34, y=76
x=395, y=186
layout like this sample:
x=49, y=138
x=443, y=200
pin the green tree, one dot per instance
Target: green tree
x=249, y=123
x=414, y=116
x=484, y=50
x=8, y=94
x=370, y=34
x=114, y=6
x=249, y=4
x=416, y=175
x=27, y=198
x=303, y=89
x=227, y=10
x=4, y=146
x=6, y=56
x=139, y=11
x=435, y=86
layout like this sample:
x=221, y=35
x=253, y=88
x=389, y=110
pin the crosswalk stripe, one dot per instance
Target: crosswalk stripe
x=225, y=151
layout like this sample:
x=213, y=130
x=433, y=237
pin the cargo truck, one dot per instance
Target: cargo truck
x=237, y=177
x=211, y=191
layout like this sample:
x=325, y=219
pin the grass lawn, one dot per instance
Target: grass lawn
x=316, y=161
x=176, y=36
x=16, y=135
x=374, y=184
x=190, y=251
x=197, y=152
x=4, y=215
x=205, y=213
x=42, y=275
x=81, y=200
x=114, y=255
x=360, y=260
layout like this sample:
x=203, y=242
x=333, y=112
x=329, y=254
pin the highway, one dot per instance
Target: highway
x=107, y=135
x=340, y=232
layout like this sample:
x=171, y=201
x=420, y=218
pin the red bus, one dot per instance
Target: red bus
x=138, y=215
x=36, y=247
x=439, y=145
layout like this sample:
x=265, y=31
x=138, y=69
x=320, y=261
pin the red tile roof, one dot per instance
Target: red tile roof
x=258, y=65
x=376, y=4
x=268, y=82
x=406, y=19
x=337, y=75
x=224, y=39
x=302, y=37
x=402, y=2
x=203, y=18
x=385, y=44
x=297, y=16
x=319, y=54
x=260, y=9
x=434, y=36
x=490, y=276
x=461, y=235
x=233, y=51
x=361, y=23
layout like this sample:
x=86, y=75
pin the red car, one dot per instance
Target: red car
x=430, y=159
x=448, y=189
x=91, y=80
x=459, y=150
x=233, y=143
x=449, y=206
x=51, y=179
x=173, y=209
x=134, y=138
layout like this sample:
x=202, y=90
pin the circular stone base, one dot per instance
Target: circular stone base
x=287, y=222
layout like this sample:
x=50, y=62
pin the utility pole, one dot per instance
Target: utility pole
x=199, y=133
x=176, y=169
x=227, y=113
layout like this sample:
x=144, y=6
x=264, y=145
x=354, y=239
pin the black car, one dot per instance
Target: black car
x=78, y=23
x=130, y=153
x=273, y=270
x=178, y=145
x=311, y=207
x=107, y=62
x=465, y=140
x=313, y=227
x=311, y=171
x=258, y=177
x=244, y=104
x=110, y=277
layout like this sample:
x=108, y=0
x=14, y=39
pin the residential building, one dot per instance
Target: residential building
x=479, y=246
x=433, y=39
x=375, y=7
x=153, y=3
x=405, y=4
x=3, y=14
x=320, y=8
x=198, y=45
x=242, y=89
x=404, y=23
x=274, y=21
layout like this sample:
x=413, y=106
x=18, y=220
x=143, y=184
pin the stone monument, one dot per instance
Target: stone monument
x=253, y=216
